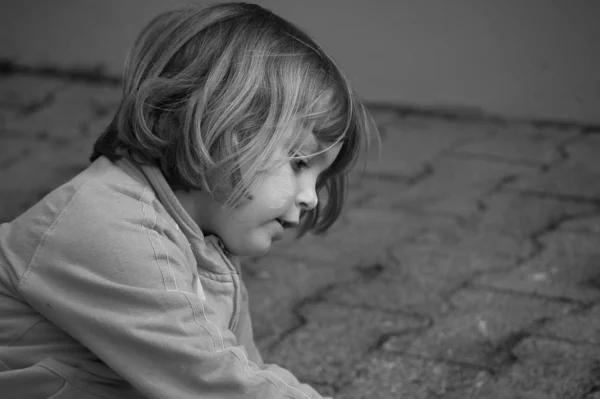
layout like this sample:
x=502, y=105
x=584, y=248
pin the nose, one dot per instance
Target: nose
x=307, y=198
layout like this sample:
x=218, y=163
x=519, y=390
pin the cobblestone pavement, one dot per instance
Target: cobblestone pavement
x=467, y=264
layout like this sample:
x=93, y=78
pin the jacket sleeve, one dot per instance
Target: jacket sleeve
x=245, y=328
x=121, y=286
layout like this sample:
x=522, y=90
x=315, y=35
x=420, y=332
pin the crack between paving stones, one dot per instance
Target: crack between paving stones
x=418, y=316
x=501, y=186
x=365, y=273
x=468, y=365
x=456, y=114
x=384, y=338
x=45, y=102
x=8, y=163
x=565, y=340
x=471, y=114
x=502, y=352
x=562, y=148
x=481, y=204
x=535, y=239
x=387, y=177
x=425, y=173
x=558, y=197
x=527, y=294
x=95, y=74
x=408, y=180
x=573, y=218
x=320, y=296
x=468, y=283
x=344, y=381
x=504, y=349
x=591, y=130
x=493, y=159
x=315, y=298
x=594, y=384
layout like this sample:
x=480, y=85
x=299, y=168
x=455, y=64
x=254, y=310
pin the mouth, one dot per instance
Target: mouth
x=282, y=226
x=286, y=224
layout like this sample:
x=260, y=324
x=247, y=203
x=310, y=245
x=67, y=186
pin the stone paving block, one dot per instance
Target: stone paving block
x=369, y=191
x=361, y=234
x=392, y=376
x=467, y=246
x=420, y=277
x=479, y=328
x=453, y=266
x=410, y=294
x=325, y=346
x=410, y=143
x=69, y=113
x=384, y=116
x=12, y=151
x=6, y=115
x=456, y=186
x=277, y=285
x=525, y=144
x=23, y=91
x=580, y=326
x=589, y=225
x=587, y=151
x=470, y=237
x=567, y=268
x=574, y=178
x=547, y=369
x=522, y=216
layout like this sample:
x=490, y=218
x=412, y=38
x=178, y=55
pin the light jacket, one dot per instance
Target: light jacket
x=108, y=289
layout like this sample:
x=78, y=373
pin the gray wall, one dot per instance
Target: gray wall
x=525, y=58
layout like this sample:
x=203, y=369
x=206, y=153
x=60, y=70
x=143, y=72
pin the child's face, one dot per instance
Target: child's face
x=289, y=188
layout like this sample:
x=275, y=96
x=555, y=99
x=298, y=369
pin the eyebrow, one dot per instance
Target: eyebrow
x=315, y=147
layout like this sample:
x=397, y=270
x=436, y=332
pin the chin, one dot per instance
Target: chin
x=259, y=251
x=259, y=248
x=254, y=249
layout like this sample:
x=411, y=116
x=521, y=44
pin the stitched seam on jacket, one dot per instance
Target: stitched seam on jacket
x=72, y=381
x=24, y=276
x=245, y=363
x=17, y=339
x=148, y=223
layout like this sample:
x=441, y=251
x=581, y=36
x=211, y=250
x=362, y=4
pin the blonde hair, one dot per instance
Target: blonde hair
x=207, y=89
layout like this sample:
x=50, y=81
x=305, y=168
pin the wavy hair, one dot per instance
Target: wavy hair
x=207, y=89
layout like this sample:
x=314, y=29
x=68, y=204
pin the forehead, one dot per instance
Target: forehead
x=324, y=153
x=310, y=144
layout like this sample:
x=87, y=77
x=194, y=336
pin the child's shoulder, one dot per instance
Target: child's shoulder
x=98, y=208
x=99, y=194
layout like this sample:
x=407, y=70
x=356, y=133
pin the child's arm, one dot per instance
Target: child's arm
x=247, y=334
x=123, y=289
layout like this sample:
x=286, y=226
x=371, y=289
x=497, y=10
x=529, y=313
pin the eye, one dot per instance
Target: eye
x=299, y=164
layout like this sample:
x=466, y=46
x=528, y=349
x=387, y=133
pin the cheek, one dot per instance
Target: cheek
x=278, y=191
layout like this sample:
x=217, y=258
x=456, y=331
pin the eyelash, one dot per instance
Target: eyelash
x=300, y=163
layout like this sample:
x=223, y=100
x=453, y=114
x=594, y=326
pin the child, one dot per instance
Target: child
x=124, y=282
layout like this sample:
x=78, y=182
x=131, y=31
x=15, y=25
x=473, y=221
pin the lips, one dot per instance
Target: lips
x=286, y=224
x=281, y=226
x=278, y=231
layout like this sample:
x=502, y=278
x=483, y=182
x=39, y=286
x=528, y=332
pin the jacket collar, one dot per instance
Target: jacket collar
x=209, y=251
